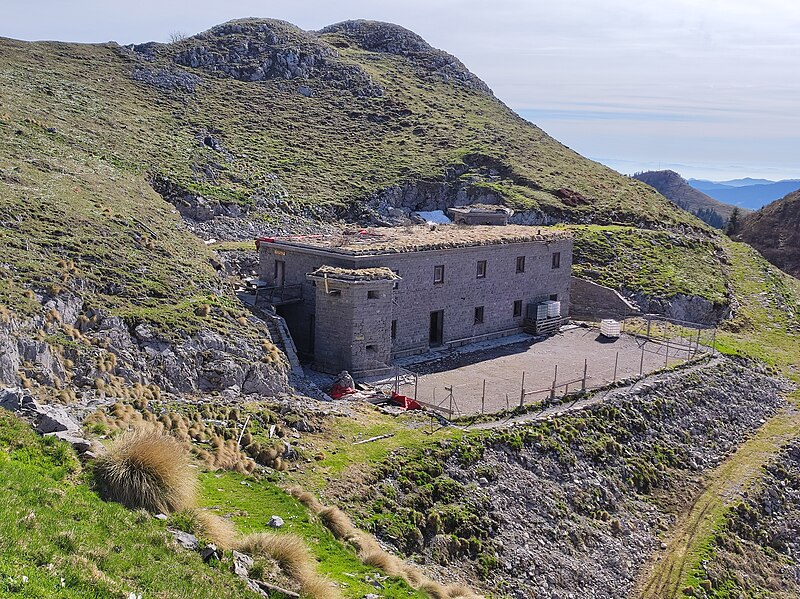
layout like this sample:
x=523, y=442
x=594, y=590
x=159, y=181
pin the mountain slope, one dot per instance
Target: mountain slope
x=675, y=188
x=775, y=232
x=260, y=113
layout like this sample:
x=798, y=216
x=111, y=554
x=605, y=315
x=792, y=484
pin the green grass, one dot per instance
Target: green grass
x=658, y=264
x=53, y=527
x=251, y=503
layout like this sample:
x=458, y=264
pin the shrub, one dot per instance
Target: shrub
x=147, y=469
x=337, y=522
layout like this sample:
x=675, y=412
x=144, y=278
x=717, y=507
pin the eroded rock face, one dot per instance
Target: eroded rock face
x=688, y=308
x=263, y=49
x=205, y=362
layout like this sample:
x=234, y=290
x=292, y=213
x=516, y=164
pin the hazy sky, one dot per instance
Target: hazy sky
x=710, y=88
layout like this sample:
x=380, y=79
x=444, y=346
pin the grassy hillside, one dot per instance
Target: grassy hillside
x=209, y=133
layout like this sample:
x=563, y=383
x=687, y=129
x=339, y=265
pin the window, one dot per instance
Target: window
x=373, y=294
x=479, y=315
x=520, y=263
x=371, y=349
x=556, y=259
x=394, y=329
x=554, y=297
x=481, y=269
x=517, y=308
x=438, y=274
x=335, y=292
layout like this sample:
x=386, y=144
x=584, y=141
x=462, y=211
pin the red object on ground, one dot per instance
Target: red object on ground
x=338, y=392
x=407, y=403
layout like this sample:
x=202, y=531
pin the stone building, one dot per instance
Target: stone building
x=356, y=301
x=480, y=214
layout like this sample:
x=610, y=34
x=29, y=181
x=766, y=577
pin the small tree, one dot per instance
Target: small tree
x=176, y=36
x=733, y=223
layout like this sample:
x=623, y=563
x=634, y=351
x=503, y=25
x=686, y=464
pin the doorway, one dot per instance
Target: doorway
x=435, y=337
x=280, y=273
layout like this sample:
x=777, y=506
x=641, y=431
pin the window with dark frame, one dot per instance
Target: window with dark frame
x=520, y=263
x=373, y=294
x=394, y=329
x=481, y=269
x=438, y=274
x=517, y=308
x=479, y=315
x=556, y=259
x=554, y=297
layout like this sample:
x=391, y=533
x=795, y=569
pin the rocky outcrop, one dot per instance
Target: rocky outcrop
x=688, y=308
x=107, y=355
x=376, y=36
x=774, y=230
x=264, y=49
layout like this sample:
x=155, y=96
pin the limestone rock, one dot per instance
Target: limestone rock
x=275, y=522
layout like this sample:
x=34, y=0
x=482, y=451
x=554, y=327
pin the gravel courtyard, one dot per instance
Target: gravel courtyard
x=502, y=367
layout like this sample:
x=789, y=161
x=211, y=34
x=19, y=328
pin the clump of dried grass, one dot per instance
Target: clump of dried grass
x=294, y=558
x=149, y=469
x=218, y=530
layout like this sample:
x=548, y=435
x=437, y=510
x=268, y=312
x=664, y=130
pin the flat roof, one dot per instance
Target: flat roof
x=392, y=240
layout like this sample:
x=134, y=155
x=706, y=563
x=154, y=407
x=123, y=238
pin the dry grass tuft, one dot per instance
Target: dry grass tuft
x=214, y=528
x=337, y=522
x=147, y=469
x=372, y=554
x=288, y=550
x=319, y=587
x=306, y=498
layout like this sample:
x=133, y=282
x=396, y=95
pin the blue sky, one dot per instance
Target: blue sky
x=710, y=88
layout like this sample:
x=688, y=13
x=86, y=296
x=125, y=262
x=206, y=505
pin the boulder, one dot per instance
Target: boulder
x=54, y=419
x=185, y=540
x=275, y=522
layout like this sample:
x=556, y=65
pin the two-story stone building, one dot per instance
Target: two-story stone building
x=356, y=301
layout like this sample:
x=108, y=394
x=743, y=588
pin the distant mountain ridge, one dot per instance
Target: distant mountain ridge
x=747, y=192
x=775, y=232
x=676, y=189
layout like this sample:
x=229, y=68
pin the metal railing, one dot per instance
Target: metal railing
x=279, y=295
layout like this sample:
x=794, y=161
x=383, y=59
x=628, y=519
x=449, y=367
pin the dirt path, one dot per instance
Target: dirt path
x=594, y=398
x=666, y=577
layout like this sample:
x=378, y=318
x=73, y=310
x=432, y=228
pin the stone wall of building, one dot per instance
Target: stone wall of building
x=590, y=301
x=417, y=295
x=353, y=326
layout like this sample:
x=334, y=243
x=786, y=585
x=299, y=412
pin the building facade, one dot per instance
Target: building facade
x=367, y=298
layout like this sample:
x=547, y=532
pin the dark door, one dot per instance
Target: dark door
x=437, y=328
x=312, y=330
x=280, y=273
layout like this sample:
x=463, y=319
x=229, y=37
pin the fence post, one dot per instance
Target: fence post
x=396, y=379
x=585, y=370
x=555, y=379
x=483, y=396
x=416, y=381
x=641, y=362
x=649, y=322
x=697, y=344
x=714, y=343
x=522, y=390
x=666, y=354
x=616, y=362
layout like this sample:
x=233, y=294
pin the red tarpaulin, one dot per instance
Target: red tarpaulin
x=407, y=403
x=338, y=392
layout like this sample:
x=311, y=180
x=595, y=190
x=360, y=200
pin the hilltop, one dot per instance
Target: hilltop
x=774, y=230
x=675, y=188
